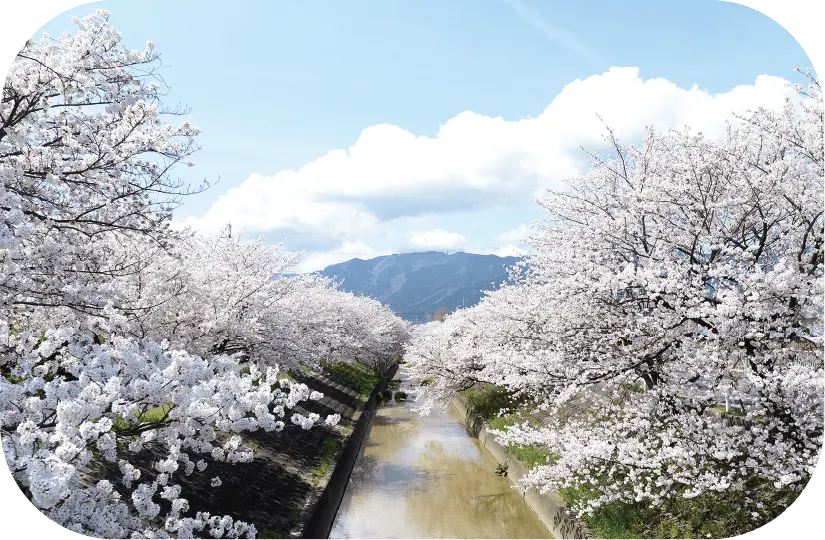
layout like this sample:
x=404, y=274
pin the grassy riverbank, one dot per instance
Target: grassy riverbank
x=355, y=376
x=710, y=515
x=276, y=490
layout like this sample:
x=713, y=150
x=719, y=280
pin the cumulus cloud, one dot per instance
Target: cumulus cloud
x=285, y=201
x=473, y=162
x=517, y=235
x=436, y=239
x=313, y=261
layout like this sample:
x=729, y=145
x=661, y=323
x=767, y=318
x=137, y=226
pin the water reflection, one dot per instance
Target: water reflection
x=426, y=478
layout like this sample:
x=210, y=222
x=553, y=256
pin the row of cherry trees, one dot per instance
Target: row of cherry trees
x=107, y=313
x=671, y=281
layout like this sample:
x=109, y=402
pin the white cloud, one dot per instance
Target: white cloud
x=283, y=201
x=507, y=250
x=517, y=235
x=436, y=239
x=348, y=250
x=510, y=250
x=474, y=161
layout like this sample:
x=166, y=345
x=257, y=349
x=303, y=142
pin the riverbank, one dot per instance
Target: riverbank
x=549, y=507
x=279, y=489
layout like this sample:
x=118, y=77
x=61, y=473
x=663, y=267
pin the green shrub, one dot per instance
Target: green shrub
x=400, y=396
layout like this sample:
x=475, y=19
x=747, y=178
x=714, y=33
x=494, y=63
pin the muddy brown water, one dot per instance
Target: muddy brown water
x=425, y=477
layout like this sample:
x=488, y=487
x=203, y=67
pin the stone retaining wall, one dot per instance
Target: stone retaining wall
x=548, y=507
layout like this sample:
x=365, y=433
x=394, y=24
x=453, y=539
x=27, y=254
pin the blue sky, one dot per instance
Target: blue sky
x=277, y=85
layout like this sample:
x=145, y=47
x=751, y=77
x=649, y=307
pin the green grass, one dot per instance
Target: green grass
x=710, y=515
x=490, y=401
x=330, y=450
x=293, y=516
x=635, y=388
x=714, y=515
x=155, y=414
x=252, y=445
x=266, y=533
x=529, y=456
x=501, y=423
x=355, y=376
x=732, y=411
x=613, y=520
x=487, y=400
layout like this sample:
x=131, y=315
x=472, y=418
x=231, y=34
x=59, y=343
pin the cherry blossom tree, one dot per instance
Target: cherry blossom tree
x=64, y=399
x=87, y=160
x=672, y=281
x=339, y=326
x=118, y=333
x=217, y=292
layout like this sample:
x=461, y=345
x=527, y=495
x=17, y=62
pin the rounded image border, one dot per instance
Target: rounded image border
x=20, y=19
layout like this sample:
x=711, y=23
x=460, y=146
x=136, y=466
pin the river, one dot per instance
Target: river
x=425, y=477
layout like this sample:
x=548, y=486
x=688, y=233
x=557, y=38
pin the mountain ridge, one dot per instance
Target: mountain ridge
x=415, y=285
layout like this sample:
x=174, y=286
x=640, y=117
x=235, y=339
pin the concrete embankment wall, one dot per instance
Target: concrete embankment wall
x=278, y=489
x=548, y=507
x=322, y=515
